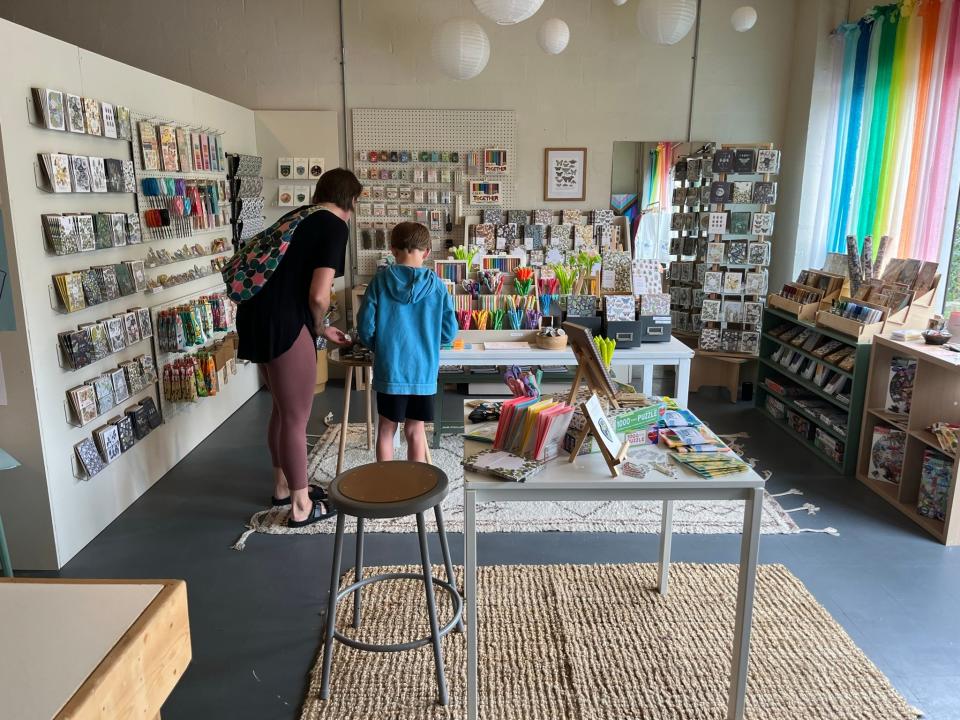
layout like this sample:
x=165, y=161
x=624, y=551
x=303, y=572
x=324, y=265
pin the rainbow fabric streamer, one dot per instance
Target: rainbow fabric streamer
x=895, y=96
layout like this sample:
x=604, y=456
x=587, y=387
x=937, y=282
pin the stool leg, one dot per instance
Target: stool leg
x=358, y=572
x=332, y=610
x=445, y=549
x=431, y=607
x=345, y=426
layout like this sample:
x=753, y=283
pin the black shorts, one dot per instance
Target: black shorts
x=405, y=407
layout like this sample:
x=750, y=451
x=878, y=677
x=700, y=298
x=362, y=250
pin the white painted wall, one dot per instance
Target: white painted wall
x=256, y=53
x=608, y=85
x=79, y=509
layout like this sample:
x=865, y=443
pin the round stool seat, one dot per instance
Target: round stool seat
x=389, y=489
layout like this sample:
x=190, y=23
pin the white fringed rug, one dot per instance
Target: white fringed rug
x=706, y=517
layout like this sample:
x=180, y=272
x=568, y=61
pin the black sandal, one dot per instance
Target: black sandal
x=321, y=510
x=317, y=494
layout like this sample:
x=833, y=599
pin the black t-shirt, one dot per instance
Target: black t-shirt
x=270, y=322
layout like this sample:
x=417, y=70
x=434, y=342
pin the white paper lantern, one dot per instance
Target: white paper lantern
x=460, y=48
x=743, y=18
x=618, y=3
x=508, y=12
x=553, y=36
x=666, y=22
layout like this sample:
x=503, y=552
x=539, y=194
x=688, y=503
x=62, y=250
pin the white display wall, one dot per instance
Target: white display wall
x=50, y=513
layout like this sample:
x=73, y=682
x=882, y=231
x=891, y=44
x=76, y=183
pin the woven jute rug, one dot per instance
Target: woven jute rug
x=599, y=643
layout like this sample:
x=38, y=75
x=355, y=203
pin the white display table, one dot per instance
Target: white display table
x=588, y=479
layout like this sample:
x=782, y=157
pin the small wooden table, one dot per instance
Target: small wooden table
x=367, y=367
x=93, y=649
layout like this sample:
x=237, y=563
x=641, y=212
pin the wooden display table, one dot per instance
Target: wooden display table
x=365, y=367
x=93, y=649
x=710, y=369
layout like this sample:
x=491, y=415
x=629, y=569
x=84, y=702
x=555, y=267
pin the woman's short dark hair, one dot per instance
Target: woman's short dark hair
x=338, y=186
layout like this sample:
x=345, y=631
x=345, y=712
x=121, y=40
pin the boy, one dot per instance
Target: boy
x=405, y=316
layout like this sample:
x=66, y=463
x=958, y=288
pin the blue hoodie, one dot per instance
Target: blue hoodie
x=405, y=316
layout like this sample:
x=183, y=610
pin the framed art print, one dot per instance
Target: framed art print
x=565, y=174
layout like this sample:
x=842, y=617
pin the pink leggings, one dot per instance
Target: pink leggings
x=291, y=378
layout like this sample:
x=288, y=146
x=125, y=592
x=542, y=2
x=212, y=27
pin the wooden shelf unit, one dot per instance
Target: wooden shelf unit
x=936, y=398
x=857, y=381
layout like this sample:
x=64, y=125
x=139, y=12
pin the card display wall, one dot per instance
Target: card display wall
x=722, y=226
x=60, y=508
x=463, y=132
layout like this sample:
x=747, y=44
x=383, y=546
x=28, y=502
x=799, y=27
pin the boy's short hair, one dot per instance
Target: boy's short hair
x=339, y=187
x=409, y=236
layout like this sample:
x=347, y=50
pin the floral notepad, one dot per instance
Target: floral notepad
x=504, y=465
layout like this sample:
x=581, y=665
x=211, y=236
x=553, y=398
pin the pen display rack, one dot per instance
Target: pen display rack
x=420, y=164
x=181, y=178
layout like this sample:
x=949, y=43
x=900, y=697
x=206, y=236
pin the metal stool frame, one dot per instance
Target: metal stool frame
x=436, y=632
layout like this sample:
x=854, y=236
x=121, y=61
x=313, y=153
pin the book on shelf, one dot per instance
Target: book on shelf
x=103, y=390
x=98, y=175
x=935, y=480
x=184, y=149
x=92, y=116
x=50, y=108
x=899, y=395
x=148, y=145
x=124, y=427
x=169, y=157
x=74, y=109
x=109, y=120
x=83, y=403
x=887, y=448
x=107, y=439
x=89, y=457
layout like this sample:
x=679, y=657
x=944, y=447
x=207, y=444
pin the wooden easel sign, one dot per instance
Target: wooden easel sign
x=590, y=367
x=613, y=451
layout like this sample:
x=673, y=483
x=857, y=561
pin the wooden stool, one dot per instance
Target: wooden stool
x=390, y=490
x=719, y=370
x=367, y=369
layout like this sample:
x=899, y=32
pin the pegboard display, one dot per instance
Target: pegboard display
x=426, y=162
x=190, y=200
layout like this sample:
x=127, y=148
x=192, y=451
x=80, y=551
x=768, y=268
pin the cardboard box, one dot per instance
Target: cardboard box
x=636, y=418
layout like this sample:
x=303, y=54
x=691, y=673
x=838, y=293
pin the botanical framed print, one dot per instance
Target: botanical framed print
x=565, y=174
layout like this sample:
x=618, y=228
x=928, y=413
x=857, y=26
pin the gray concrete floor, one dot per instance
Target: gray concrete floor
x=255, y=619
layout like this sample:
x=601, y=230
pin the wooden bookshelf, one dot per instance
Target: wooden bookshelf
x=849, y=434
x=936, y=398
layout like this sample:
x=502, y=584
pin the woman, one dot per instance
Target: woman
x=279, y=327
